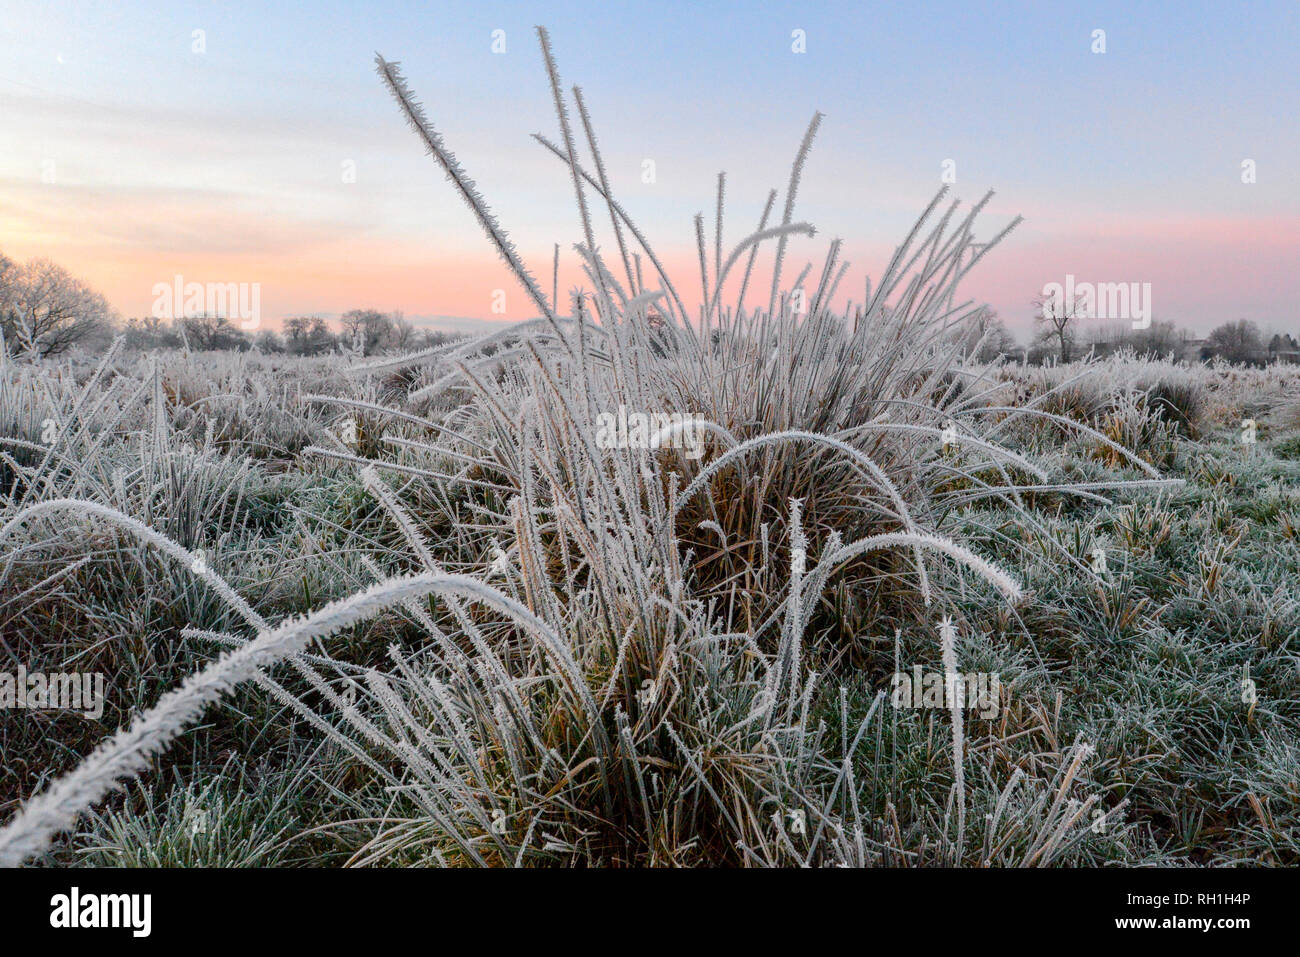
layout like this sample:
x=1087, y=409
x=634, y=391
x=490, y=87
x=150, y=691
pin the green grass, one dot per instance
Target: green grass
x=1146, y=666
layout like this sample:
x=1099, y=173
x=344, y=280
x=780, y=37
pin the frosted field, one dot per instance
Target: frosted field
x=841, y=593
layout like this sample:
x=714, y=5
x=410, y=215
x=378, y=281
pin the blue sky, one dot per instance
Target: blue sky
x=129, y=156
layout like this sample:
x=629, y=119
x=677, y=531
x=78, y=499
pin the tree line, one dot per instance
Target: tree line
x=363, y=331
x=1065, y=333
x=45, y=310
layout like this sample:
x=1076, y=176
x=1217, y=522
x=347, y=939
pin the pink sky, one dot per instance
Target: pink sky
x=131, y=158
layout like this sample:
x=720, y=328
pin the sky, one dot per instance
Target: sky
x=254, y=143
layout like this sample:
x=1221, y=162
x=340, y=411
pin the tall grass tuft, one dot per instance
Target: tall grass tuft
x=641, y=682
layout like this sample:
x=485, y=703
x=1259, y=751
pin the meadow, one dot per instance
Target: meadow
x=411, y=610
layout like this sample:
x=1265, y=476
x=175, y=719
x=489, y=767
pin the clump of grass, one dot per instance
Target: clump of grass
x=640, y=683
x=1135, y=424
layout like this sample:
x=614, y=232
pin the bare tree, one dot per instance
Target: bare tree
x=10, y=273
x=1060, y=319
x=401, y=333
x=151, y=332
x=365, y=329
x=1160, y=340
x=319, y=337
x=45, y=310
x=207, y=331
x=268, y=341
x=1238, y=341
x=295, y=333
x=988, y=338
